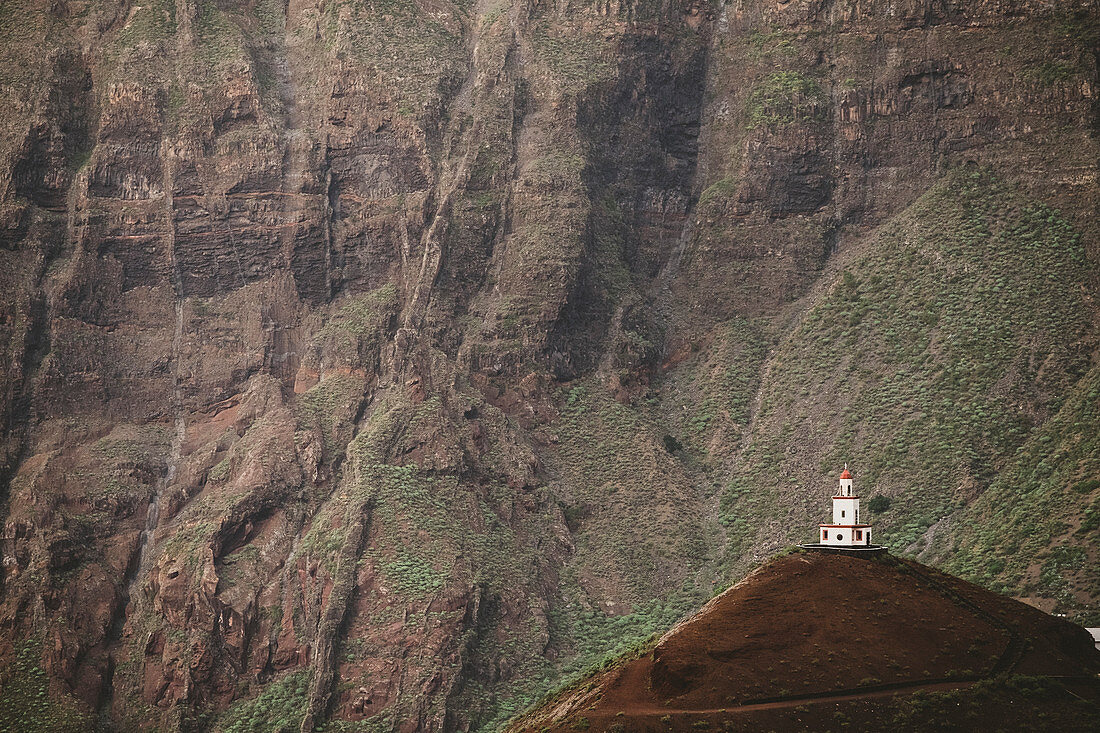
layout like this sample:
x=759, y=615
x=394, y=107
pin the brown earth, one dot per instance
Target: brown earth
x=833, y=632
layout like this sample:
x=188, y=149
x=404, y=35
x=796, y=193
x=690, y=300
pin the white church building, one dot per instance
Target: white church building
x=846, y=529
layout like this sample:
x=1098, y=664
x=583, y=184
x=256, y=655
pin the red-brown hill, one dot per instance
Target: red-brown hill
x=831, y=641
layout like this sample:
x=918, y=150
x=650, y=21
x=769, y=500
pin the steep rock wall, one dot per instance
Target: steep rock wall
x=391, y=361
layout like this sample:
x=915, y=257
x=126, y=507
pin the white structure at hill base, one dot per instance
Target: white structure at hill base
x=846, y=529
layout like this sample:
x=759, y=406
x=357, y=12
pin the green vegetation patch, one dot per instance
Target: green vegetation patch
x=638, y=527
x=771, y=43
x=123, y=466
x=134, y=445
x=26, y=704
x=413, y=574
x=997, y=704
x=1051, y=72
x=718, y=192
x=218, y=38
x=924, y=365
x=597, y=639
x=431, y=528
x=191, y=540
x=417, y=55
x=577, y=56
x=642, y=516
x=331, y=404
x=327, y=534
x=1043, y=509
x=280, y=706
x=784, y=98
x=711, y=399
x=557, y=170
x=360, y=323
x=151, y=22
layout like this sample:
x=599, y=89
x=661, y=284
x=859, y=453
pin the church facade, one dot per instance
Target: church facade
x=846, y=529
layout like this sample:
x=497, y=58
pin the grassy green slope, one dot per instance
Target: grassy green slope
x=957, y=329
x=639, y=528
x=1034, y=531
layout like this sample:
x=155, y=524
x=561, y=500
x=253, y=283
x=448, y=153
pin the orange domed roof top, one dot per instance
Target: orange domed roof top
x=845, y=474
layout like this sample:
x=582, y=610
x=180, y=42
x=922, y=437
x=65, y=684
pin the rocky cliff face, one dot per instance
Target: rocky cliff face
x=389, y=361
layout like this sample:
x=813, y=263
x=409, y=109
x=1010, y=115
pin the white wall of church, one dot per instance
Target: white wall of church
x=843, y=536
x=846, y=511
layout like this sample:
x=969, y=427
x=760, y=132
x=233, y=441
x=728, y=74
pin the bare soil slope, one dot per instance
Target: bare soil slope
x=821, y=640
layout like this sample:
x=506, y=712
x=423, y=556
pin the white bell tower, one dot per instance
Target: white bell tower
x=846, y=529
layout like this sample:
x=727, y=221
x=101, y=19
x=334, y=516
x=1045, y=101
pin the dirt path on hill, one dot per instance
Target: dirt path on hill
x=842, y=696
x=621, y=694
x=838, y=696
x=763, y=648
x=636, y=676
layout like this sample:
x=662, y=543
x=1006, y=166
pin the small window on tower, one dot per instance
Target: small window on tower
x=824, y=534
x=842, y=514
